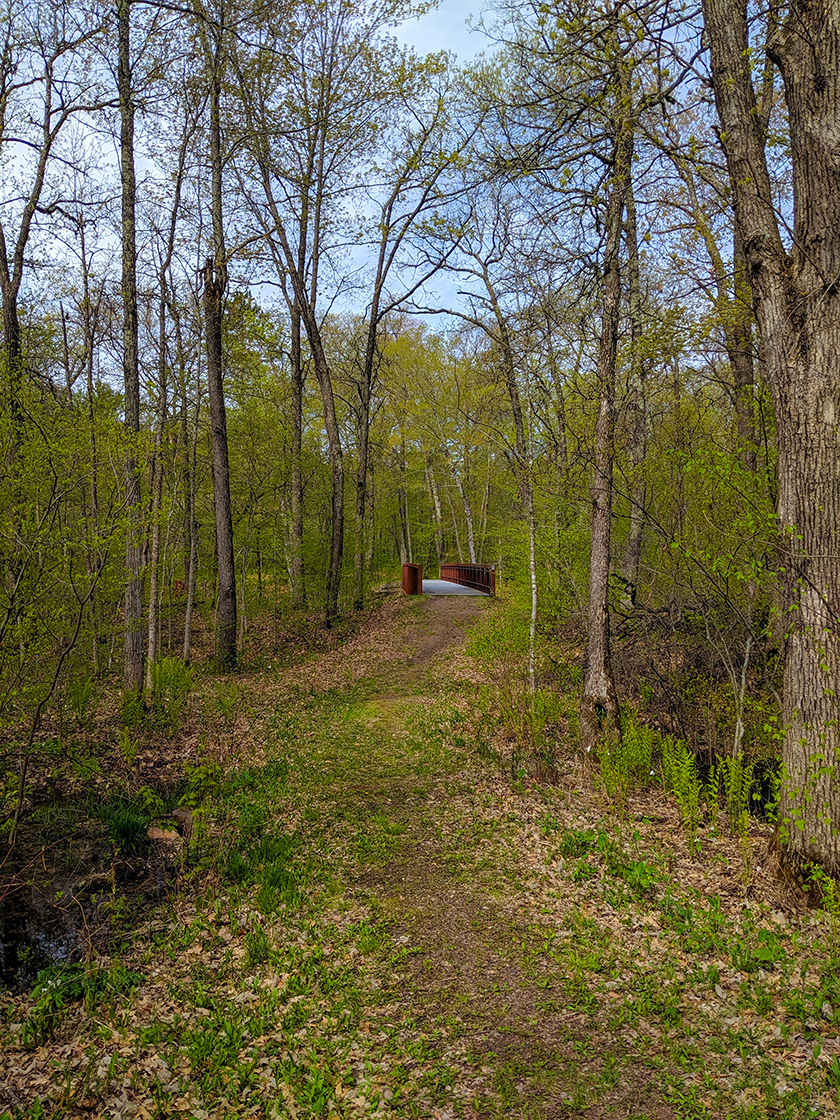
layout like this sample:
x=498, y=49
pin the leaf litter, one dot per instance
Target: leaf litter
x=451, y=938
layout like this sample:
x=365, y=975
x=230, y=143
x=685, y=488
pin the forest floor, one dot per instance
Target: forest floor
x=382, y=913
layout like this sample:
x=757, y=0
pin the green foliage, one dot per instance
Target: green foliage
x=679, y=776
x=171, y=685
x=126, y=824
x=81, y=697
x=204, y=781
x=827, y=891
x=132, y=711
x=764, y=951
x=737, y=775
x=62, y=984
x=626, y=762
x=129, y=746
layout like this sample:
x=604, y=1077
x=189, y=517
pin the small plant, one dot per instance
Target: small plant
x=171, y=684
x=578, y=843
x=80, y=694
x=204, y=782
x=748, y=956
x=257, y=947
x=228, y=698
x=828, y=892
x=62, y=984
x=132, y=709
x=626, y=763
x=152, y=802
x=737, y=776
x=679, y=775
x=129, y=746
x=126, y=824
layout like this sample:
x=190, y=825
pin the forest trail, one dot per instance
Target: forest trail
x=392, y=920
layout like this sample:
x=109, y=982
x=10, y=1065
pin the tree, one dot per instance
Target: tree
x=213, y=34
x=133, y=642
x=796, y=289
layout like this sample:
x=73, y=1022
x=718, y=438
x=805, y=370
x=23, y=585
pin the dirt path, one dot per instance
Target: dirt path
x=389, y=925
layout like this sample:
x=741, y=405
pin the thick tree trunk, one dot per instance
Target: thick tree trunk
x=12, y=350
x=215, y=283
x=798, y=308
x=133, y=646
x=739, y=345
x=599, y=705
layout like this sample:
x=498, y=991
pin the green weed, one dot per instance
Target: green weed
x=126, y=824
x=171, y=685
x=61, y=984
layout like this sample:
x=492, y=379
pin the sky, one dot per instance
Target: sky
x=445, y=29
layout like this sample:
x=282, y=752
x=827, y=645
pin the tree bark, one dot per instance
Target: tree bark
x=637, y=410
x=599, y=705
x=226, y=603
x=431, y=482
x=133, y=644
x=297, y=575
x=797, y=298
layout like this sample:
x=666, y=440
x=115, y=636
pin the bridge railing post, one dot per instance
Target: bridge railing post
x=412, y=579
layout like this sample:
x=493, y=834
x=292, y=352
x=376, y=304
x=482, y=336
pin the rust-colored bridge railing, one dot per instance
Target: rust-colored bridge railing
x=481, y=577
x=412, y=579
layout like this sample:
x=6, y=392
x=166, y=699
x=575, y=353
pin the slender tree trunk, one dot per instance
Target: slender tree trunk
x=736, y=319
x=133, y=647
x=455, y=529
x=297, y=575
x=361, y=499
x=226, y=601
x=599, y=705
x=157, y=495
x=468, y=513
x=798, y=306
x=637, y=412
x=436, y=512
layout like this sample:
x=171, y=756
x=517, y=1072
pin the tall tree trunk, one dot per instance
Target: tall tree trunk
x=599, y=705
x=226, y=601
x=740, y=348
x=455, y=528
x=797, y=300
x=297, y=575
x=157, y=495
x=431, y=482
x=736, y=317
x=215, y=282
x=637, y=410
x=190, y=439
x=361, y=497
x=468, y=513
x=133, y=646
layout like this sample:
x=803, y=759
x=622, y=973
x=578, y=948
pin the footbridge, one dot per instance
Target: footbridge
x=455, y=579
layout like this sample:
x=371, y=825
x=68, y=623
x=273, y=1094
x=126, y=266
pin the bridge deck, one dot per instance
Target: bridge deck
x=445, y=587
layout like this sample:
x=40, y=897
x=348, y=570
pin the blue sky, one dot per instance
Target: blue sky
x=445, y=29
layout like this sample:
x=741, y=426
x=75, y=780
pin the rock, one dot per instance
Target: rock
x=184, y=820
x=162, y=833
